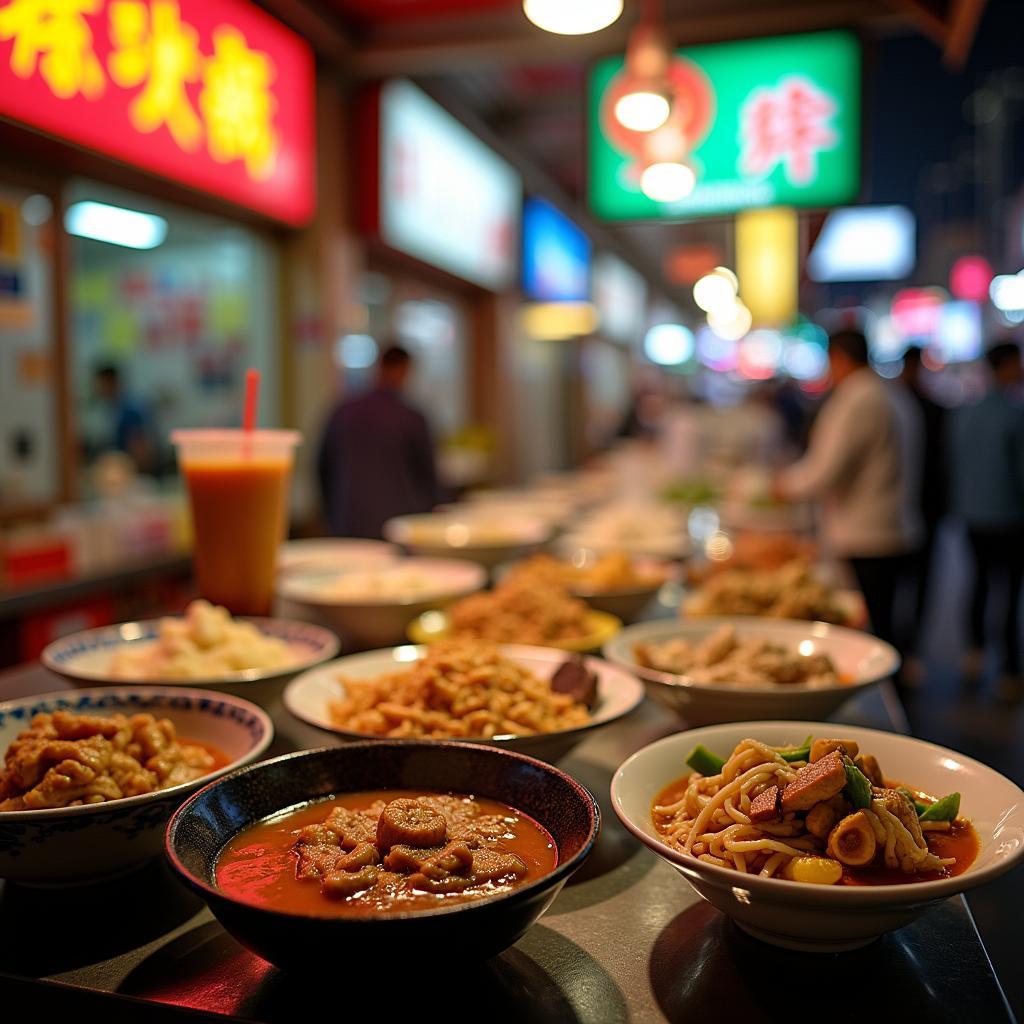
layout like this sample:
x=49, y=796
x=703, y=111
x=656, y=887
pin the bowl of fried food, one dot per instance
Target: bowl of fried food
x=731, y=669
x=206, y=647
x=89, y=777
x=819, y=837
x=615, y=583
x=524, y=611
x=537, y=700
x=449, y=851
x=794, y=590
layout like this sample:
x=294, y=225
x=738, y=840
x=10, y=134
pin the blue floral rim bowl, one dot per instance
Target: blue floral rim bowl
x=67, y=845
x=84, y=658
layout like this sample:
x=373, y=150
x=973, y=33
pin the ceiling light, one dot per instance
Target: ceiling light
x=717, y=290
x=572, y=17
x=642, y=110
x=115, y=225
x=668, y=344
x=732, y=323
x=667, y=182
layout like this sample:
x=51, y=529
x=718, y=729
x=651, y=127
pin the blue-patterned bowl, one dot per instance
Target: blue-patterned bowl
x=75, y=844
x=84, y=658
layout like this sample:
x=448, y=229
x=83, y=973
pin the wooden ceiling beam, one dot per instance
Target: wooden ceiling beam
x=964, y=20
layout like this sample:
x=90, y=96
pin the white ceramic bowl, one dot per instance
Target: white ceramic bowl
x=334, y=553
x=826, y=918
x=672, y=546
x=85, y=657
x=380, y=602
x=625, y=603
x=74, y=844
x=478, y=537
x=308, y=697
x=859, y=657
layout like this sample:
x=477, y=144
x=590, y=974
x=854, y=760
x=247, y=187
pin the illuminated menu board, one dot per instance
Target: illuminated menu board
x=444, y=196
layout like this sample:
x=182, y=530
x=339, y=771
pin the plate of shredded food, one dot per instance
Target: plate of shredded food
x=88, y=778
x=533, y=699
x=793, y=590
x=820, y=836
x=520, y=610
x=616, y=582
x=205, y=647
x=732, y=668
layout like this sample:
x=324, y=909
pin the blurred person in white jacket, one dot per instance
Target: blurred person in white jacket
x=863, y=466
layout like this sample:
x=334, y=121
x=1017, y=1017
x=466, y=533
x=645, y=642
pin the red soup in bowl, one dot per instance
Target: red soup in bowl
x=384, y=852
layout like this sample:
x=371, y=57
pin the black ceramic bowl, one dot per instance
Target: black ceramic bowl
x=473, y=930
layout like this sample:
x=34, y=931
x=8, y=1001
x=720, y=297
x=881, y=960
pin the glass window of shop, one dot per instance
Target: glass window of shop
x=29, y=427
x=433, y=326
x=161, y=336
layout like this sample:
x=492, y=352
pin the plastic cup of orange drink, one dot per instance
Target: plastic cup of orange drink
x=238, y=490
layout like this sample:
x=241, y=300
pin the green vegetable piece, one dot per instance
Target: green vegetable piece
x=918, y=806
x=945, y=809
x=702, y=760
x=800, y=753
x=858, y=786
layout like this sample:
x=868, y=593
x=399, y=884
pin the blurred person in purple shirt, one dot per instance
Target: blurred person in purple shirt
x=376, y=457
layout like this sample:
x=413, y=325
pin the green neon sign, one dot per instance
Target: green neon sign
x=762, y=122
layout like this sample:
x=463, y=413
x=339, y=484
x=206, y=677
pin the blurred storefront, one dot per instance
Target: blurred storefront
x=158, y=169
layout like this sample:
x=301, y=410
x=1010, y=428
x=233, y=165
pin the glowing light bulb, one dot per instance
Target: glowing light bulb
x=667, y=182
x=642, y=110
x=572, y=17
x=716, y=290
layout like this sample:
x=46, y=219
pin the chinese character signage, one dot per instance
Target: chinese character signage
x=762, y=122
x=443, y=195
x=214, y=94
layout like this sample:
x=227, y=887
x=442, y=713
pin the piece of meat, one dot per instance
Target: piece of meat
x=351, y=827
x=410, y=823
x=575, y=679
x=816, y=782
x=820, y=819
x=819, y=748
x=454, y=859
x=765, y=806
x=492, y=865
x=342, y=884
x=405, y=860
x=852, y=841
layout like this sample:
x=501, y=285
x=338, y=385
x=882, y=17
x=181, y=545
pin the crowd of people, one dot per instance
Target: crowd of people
x=885, y=463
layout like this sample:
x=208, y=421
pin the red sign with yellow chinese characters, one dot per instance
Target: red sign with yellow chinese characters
x=214, y=94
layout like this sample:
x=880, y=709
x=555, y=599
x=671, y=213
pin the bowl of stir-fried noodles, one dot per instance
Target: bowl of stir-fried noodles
x=818, y=836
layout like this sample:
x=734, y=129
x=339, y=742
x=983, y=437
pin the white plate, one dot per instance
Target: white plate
x=476, y=536
x=85, y=657
x=308, y=697
x=863, y=659
x=668, y=545
x=828, y=918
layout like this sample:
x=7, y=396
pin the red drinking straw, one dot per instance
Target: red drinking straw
x=252, y=395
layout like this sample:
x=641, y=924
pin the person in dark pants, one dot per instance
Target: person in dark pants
x=988, y=493
x=858, y=464
x=934, y=486
x=376, y=457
